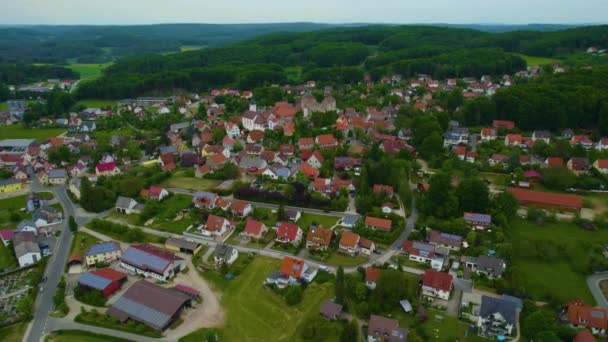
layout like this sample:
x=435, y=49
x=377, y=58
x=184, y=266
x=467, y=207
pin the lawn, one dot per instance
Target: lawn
x=566, y=252
x=20, y=132
x=3, y=106
x=435, y=328
x=82, y=241
x=12, y=207
x=170, y=207
x=190, y=183
x=7, y=258
x=80, y=335
x=324, y=220
x=339, y=259
x=255, y=313
x=537, y=61
x=96, y=103
x=13, y=333
x=88, y=71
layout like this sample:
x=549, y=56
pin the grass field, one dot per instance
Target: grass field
x=20, y=132
x=537, y=61
x=170, y=207
x=326, y=221
x=12, y=206
x=255, y=313
x=13, y=333
x=185, y=48
x=190, y=183
x=80, y=335
x=437, y=327
x=3, y=106
x=567, y=250
x=7, y=259
x=82, y=241
x=88, y=71
x=339, y=259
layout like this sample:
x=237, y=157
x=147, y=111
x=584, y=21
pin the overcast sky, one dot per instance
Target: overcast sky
x=327, y=11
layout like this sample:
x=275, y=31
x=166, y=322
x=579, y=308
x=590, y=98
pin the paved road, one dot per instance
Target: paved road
x=55, y=324
x=593, y=281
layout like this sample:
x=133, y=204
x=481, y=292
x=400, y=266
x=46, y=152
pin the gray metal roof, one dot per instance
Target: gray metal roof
x=491, y=305
x=58, y=173
x=94, y=281
x=142, y=313
x=124, y=202
x=223, y=252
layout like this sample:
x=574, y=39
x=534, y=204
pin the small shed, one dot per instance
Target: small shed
x=331, y=310
x=406, y=305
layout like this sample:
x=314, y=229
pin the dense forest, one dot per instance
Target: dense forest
x=98, y=44
x=23, y=73
x=576, y=99
x=339, y=55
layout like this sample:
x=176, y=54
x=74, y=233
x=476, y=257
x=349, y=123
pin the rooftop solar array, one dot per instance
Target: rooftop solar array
x=451, y=236
x=423, y=246
x=142, y=312
x=145, y=260
x=597, y=314
x=100, y=248
x=94, y=281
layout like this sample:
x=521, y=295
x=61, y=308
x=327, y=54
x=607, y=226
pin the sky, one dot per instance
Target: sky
x=124, y=12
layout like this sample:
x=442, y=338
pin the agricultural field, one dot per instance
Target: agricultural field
x=89, y=71
x=20, y=132
x=190, y=183
x=537, y=61
x=559, y=250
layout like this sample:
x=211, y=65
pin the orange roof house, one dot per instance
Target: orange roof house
x=378, y=223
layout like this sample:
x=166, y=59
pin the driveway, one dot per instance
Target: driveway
x=593, y=281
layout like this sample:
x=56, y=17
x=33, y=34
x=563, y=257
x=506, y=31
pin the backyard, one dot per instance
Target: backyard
x=190, y=183
x=542, y=254
x=437, y=327
x=169, y=209
x=7, y=258
x=10, y=210
x=21, y=132
x=255, y=313
x=323, y=220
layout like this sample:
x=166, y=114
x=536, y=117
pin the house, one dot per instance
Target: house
x=225, y=254
x=216, y=226
x=580, y=166
x=102, y=253
x=547, y=200
x=490, y=266
x=379, y=190
x=376, y=223
x=294, y=271
x=315, y=160
x=367, y=247
x=27, y=226
x=602, y=145
x=554, y=161
x=127, y=205
x=106, y=281
x=306, y=143
x=232, y=130
x=10, y=185
x=27, y=252
x=205, y=200
x=150, y=304
x=330, y=310
x=582, y=140
x=489, y=133
x=309, y=171
x=326, y=141
x=289, y=233
x=241, y=208
x=583, y=315
x=319, y=238
x=157, y=193
x=253, y=121
x=74, y=187
x=382, y=329
x=456, y=136
x=424, y=253
x=436, y=286
x=449, y=241
x=293, y=215
x=107, y=169
x=45, y=216
x=57, y=176
x=349, y=242
x=541, y=135
x=584, y=336
x=514, y=140
x=508, y=125
x=601, y=165
x=182, y=246
x=497, y=316
x=478, y=221
x=371, y=276
x=254, y=229
x=151, y=261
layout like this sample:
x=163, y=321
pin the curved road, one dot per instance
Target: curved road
x=593, y=281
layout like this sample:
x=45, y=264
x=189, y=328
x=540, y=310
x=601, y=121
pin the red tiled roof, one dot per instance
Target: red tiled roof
x=287, y=231
x=309, y=171
x=187, y=290
x=320, y=236
x=292, y=267
x=552, y=161
x=326, y=139
x=238, y=206
x=437, y=280
x=378, y=223
x=582, y=314
x=253, y=227
x=547, y=198
x=7, y=234
x=503, y=124
x=306, y=142
x=349, y=239
x=215, y=223
x=379, y=189
x=155, y=191
x=371, y=274
x=104, y=167
x=602, y=163
x=584, y=336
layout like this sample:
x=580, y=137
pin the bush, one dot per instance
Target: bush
x=293, y=295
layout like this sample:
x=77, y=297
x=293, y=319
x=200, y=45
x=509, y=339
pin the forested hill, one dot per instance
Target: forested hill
x=340, y=55
x=98, y=44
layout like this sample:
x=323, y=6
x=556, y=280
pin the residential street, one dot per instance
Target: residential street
x=593, y=281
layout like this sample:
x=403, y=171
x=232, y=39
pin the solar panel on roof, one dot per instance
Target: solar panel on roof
x=100, y=248
x=142, y=312
x=94, y=281
x=141, y=258
x=597, y=314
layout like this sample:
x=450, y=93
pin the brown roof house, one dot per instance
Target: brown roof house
x=319, y=238
x=331, y=310
x=382, y=329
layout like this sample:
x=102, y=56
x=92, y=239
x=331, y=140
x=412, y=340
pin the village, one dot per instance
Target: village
x=170, y=201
